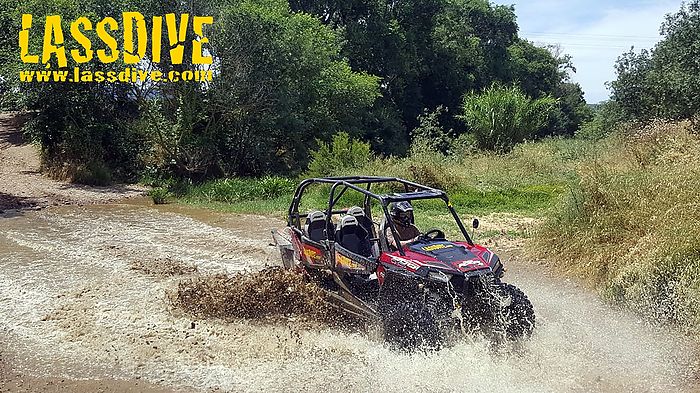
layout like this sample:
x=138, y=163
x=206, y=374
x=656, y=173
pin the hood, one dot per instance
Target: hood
x=458, y=256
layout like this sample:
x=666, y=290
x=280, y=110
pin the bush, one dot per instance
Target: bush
x=341, y=155
x=607, y=119
x=501, y=117
x=430, y=133
x=159, y=195
x=239, y=189
x=632, y=223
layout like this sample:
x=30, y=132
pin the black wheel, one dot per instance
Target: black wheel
x=519, y=314
x=410, y=327
x=499, y=311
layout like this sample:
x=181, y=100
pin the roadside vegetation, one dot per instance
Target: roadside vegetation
x=527, y=180
x=287, y=73
x=631, y=224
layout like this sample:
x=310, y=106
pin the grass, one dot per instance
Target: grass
x=528, y=181
x=631, y=225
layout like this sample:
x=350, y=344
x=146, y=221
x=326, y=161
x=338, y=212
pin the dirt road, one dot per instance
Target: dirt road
x=22, y=186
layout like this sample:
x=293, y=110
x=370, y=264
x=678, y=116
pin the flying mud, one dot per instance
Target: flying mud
x=86, y=293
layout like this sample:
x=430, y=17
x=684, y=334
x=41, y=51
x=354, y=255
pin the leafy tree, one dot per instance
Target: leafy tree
x=665, y=81
x=85, y=129
x=430, y=53
x=500, y=117
x=569, y=112
x=281, y=85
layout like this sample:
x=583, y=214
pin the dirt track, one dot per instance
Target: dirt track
x=22, y=186
x=75, y=316
x=72, y=307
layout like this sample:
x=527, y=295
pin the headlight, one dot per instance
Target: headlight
x=440, y=276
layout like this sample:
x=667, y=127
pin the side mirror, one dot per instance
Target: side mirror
x=475, y=223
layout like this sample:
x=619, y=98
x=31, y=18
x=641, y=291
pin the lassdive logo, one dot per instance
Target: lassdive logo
x=135, y=39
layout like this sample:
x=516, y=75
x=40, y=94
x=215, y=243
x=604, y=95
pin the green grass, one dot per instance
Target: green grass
x=528, y=181
x=529, y=200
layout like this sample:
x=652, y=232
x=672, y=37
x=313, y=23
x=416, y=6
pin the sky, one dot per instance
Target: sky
x=593, y=32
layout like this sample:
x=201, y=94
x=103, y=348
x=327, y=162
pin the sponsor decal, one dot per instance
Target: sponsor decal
x=404, y=262
x=439, y=246
x=473, y=264
x=347, y=263
x=312, y=255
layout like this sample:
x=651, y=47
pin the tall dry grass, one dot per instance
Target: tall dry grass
x=631, y=224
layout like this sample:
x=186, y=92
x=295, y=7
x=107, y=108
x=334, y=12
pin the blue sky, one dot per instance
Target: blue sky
x=593, y=32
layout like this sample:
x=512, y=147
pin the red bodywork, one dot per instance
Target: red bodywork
x=481, y=258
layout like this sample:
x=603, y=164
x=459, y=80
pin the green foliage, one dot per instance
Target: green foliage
x=501, y=117
x=283, y=79
x=630, y=223
x=341, y=155
x=94, y=173
x=85, y=130
x=430, y=54
x=159, y=195
x=281, y=86
x=240, y=189
x=569, y=113
x=430, y=133
x=663, y=82
x=607, y=118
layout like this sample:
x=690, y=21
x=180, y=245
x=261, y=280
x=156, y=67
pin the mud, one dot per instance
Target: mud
x=72, y=308
x=270, y=294
x=23, y=187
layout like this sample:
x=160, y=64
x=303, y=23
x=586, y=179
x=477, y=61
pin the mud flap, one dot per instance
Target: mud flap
x=286, y=249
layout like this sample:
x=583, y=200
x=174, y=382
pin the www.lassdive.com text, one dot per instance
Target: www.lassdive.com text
x=132, y=50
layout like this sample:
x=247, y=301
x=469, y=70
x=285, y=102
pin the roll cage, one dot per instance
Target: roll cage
x=363, y=185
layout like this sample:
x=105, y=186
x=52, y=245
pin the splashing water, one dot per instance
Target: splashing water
x=69, y=294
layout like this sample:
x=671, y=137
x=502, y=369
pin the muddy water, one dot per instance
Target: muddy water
x=71, y=306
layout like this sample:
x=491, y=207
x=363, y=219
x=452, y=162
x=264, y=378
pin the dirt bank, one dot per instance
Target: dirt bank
x=23, y=187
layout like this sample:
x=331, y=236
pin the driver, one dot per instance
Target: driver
x=401, y=215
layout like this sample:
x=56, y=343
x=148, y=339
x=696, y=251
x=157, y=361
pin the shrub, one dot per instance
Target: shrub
x=430, y=133
x=240, y=189
x=607, y=118
x=501, y=117
x=631, y=224
x=159, y=195
x=342, y=154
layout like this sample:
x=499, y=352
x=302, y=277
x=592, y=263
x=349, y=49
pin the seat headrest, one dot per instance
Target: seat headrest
x=348, y=221
x=356, y=211
x=316, y=216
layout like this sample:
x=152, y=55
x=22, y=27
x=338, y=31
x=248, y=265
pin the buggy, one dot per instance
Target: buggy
x=420, y=291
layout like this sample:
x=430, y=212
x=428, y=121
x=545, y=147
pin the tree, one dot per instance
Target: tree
x=430, y=53
x=281, y=85
x=663, y=82
x=86, y=130
x=500, y=117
